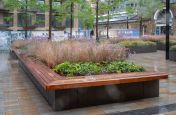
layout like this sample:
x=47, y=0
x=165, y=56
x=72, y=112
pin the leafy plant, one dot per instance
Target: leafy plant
x=123, y=67
x=89, y=68
x=71, y=69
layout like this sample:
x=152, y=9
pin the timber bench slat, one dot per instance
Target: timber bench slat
x=77, y=83
x=40, y=78
x=53, y=81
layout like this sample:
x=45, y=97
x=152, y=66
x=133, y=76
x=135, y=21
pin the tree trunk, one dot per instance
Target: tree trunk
x=108, y=21
x=50, y=19
x=26, y=19
x=140, y=27
x=71, y=20
x=127, y=23
x=97, y=37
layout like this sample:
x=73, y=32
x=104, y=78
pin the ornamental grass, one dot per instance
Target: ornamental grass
x=135, y=43
x=54, y=53
x=18, y=44
x=152, y=38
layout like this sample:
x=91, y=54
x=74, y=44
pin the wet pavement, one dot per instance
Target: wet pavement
x=18, y=95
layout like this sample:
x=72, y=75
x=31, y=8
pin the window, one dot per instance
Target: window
x=68, y=22
x=40, y=20
x=56, y=3
x=8, y=19
x=41, y=1
x=81, y=24
x=55, y=22
x=22, y=20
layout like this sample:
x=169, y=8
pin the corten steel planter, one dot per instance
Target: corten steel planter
x=172, y=55
x=143, y=49
x=64, y=93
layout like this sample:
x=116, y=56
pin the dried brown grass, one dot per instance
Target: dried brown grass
x=152, y=38
x=53, y=53
x=17, y=44
x=115, y=40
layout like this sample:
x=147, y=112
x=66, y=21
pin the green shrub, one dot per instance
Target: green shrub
x=151, y=40
x=162, y=42
x=172, y=42
x=173, y=48
x=88, y=68
x=133, y=43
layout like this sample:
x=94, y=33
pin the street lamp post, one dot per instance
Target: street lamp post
x=167, y=28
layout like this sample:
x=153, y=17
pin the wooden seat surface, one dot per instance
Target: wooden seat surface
x=53, y=81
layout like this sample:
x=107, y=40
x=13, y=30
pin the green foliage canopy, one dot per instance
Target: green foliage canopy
x=144, y=8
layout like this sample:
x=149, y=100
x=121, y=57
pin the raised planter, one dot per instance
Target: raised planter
x=161, y=46
x=139, y=46
x=13, y=53
x=67, y=93
x=172, y=55
x=143, y=49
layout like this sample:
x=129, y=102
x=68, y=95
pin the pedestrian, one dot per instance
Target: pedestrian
x=91, y=34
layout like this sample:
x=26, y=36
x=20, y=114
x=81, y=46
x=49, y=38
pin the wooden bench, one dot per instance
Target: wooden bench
x=66, y=93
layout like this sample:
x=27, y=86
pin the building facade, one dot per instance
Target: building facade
x=15, y=20
x=154, y=25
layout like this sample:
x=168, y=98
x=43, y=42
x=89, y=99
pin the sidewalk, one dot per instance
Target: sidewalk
x=18, y=95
